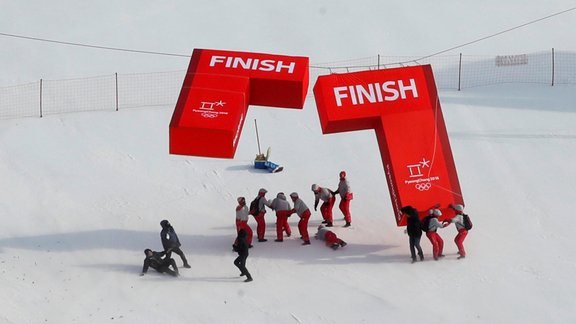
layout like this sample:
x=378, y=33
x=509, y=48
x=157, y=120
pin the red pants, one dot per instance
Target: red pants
x=345, y=208
x=244, y=225
x=260, y=225
x=331, y=238
x=282, y=224
x=437, y=243
x=326, y=210
x=459, y=240
x=303, y=225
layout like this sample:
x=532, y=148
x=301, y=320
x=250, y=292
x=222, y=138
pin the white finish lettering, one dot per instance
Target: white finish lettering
x=216, y=59
x=290, y=66
x=339, y=94
x=268, y=65
x=377, y=92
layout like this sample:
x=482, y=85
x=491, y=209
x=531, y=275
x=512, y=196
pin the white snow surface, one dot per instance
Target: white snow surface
x=83, y=194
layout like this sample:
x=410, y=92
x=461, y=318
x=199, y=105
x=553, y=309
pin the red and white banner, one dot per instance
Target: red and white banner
x=218, y=88
x=403, y=108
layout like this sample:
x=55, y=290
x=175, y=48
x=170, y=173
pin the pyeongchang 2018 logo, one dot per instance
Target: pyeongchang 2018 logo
x=417, y=177
x=210, y=110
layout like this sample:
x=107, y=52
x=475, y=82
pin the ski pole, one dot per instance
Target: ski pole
x=257, y=137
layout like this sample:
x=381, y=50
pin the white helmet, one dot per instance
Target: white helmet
x=315, y=187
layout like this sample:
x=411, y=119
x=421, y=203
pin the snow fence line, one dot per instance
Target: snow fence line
x=161, y=89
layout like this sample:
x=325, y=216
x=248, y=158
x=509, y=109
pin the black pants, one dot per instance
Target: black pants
x=178, y=251
x=165, y=267
x=240, y=262
x=415, y=243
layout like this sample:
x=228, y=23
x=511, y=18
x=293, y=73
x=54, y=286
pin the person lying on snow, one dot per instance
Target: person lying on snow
x=330, y=237
x=156, y=261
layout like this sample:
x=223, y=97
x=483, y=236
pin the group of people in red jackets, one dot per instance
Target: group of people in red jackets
x=283, y=209
x=430, y=225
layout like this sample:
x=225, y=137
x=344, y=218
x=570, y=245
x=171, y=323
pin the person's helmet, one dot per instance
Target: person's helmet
x=342, y=174
x=146, y=251
x=262, y=191
x=241, y=200
x=458, y=208
x=294, y=195
x=164, y=223
x=315, y=187
x=435, y=212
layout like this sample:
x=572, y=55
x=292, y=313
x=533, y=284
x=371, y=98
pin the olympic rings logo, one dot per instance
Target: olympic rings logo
x=209, y=115
x=423, y=186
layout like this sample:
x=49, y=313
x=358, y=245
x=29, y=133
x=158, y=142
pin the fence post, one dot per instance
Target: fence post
x=40, y=98
x=553, y=67
x=116, y=77
x=459, y=71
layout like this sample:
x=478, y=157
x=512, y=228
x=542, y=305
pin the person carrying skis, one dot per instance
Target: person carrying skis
x=458, y=221
x=242, y=249
x=345, y=196
x=282, y=208
x=303, y=212
x=261, y=211
x=242, y=219
x=413, y=229
x=171, y=243
x=329, y=237
x=155, y=261
x=327, y=196
x=432, y=234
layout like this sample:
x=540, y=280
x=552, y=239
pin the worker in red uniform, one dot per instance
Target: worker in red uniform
x=345, y=197
x=282, y=208
x=332, y=240
x=303, y=212
x=327, y=196
x=432, y=226
x=242, y=219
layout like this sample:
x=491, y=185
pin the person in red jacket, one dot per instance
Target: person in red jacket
x=458, y=221
x=332, y=240
x=327, y=196
x=303, y=212
x=260, y=220
x=432, y=234
x=282, y=208
x=242, y=219
x=345, y=197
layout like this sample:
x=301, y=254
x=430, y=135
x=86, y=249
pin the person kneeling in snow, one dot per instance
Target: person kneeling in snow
x=155, y=261
x=261, y=162
x=330, y=237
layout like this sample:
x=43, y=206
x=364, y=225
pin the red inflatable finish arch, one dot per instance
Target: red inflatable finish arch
x=402, y=106
x=217, y=90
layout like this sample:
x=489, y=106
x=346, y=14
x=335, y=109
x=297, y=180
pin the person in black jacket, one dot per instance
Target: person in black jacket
x=171, y=243
x=414, y=231
x=155, y=261
x=241, y=246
